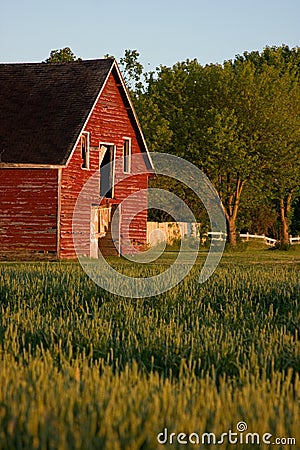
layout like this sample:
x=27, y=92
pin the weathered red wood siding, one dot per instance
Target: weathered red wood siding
x=109, y=122
x=28, y=211
x=73, y=180
x=133, y=211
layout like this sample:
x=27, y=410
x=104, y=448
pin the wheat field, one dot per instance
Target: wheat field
x=81, y=368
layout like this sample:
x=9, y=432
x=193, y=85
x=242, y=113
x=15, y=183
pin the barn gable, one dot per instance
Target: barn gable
x=44, y=108
x=110, y=124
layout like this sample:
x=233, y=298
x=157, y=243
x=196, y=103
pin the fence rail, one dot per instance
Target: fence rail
x=295, y=240
x=267, y=240
x=247, y=236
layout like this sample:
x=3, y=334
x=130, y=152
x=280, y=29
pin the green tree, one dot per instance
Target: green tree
x=132, y=71
x=206, y=119
x=238, y=122
x=163, y=108
x=62, y=55
x=282, y=145
x=283, y=58
x=171, y=109
x=282, y=125
x=234, y=137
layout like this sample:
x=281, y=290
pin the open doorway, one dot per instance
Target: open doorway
x=105, y=235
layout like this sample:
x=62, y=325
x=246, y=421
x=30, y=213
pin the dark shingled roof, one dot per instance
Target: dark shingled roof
x=43, y=108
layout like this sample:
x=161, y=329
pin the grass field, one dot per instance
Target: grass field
x=81, y=368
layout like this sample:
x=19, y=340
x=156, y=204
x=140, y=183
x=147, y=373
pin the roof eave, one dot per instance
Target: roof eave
x=4, y=165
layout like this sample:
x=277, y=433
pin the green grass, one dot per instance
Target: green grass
x=81, y=368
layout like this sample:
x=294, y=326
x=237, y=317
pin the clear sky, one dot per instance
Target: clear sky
x=163, y=31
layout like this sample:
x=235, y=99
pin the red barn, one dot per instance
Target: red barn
x=60, y=123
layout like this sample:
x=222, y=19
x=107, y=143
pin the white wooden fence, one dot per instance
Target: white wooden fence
x=295, y=240
x=247, y=237
x=267, y=240
x=170, y=231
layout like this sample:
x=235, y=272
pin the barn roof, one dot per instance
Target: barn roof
x=44, y=107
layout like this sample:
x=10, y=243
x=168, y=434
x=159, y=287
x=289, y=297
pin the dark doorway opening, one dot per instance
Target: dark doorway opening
x=107, y=172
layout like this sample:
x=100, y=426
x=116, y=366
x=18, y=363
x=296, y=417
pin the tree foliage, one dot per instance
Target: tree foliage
x=62, y=55
x=239, y=122
x=132, y=70
x=281, y=66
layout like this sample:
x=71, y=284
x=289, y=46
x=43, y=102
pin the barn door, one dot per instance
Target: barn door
x=104, y=236
x=107, y=158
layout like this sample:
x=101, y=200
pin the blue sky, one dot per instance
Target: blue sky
x=163, y=31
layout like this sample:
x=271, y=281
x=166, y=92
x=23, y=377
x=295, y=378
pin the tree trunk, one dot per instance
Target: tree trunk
x=231, y=210
x=284, y=213
x=284, y=232
x=231, y=231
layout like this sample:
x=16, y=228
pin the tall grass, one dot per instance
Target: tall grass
x=84, y=369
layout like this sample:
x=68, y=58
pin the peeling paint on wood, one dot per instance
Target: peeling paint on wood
x=28, y=210
x=37, y=204
x=109, y=122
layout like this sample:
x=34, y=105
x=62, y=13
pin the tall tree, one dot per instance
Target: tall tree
x=282, y=145
x=210, y=116
x=282, y=125
x=234, y=137
x=238, y=122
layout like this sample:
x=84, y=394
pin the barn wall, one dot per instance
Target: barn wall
x=73, y=179
x=133, y=224
x=109, y=122
x=28, y=212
